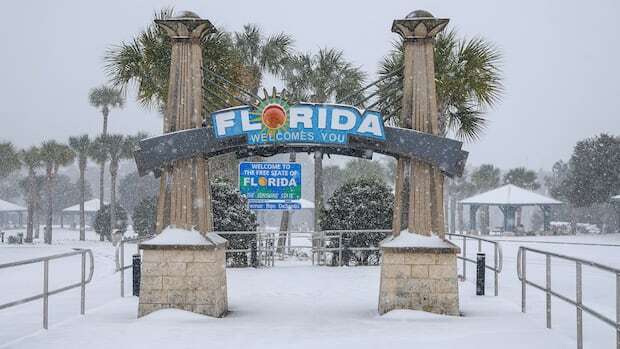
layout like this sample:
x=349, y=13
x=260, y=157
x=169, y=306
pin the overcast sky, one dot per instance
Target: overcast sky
x=560, y=62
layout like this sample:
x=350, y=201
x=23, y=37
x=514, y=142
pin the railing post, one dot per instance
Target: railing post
x=579, y=311
x=548, y=290
x=45, y=290
x=480, y=274
x=122, y=259
x=83, y=285
x=340, y=248
x=617, y=311
x=464, y=257
x=495, y=265
x=523, y=278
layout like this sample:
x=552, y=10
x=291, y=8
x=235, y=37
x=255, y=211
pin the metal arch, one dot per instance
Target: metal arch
x=156, y=152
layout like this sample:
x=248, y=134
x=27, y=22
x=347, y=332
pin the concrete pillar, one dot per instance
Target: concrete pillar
x=472, y=217
x=398, y=192
x=509, y=217
x=419, y=272
x=418, y=30
x=184, y=276
x=185, y=196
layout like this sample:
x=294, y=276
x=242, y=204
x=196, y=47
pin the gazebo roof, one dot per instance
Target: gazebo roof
x=510, y=194
x=89, y=206
x=6, y=206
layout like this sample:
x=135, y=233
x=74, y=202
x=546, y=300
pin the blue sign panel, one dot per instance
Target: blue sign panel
x=270, y=181
x=271, y=205
x=274, y=121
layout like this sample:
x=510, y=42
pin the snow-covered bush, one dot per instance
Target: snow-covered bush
x=144, y=216
x=231, y=213
x=360, y=204
x=102, y=221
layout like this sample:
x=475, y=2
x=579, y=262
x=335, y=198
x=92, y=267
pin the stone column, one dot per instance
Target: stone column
x=184, y=267
x=418, y=271
x=185, y=199
x=418, y=30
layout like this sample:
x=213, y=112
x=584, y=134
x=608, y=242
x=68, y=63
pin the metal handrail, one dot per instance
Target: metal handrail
x=498, y=257
x=46, y=292
x=578, y=302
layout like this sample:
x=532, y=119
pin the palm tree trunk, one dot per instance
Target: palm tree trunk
x=82, y=198
x=113, y=173
x=30, y=219
x=104, y=132
x=50, y=210
x=101, y=192
x=37, y=219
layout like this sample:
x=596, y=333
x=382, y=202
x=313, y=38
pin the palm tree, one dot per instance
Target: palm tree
x=260, y=54
x=9, y=159
x=322, y=77
x=145, y=62
x=468, y=78
x=31, y=158
x=118, y=147
x=99, y=154
x=81, y=147
x=53, y=155
x=106, y=98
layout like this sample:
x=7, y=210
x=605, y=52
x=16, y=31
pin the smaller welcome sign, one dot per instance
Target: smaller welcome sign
x=270, y=181
x=275, y=121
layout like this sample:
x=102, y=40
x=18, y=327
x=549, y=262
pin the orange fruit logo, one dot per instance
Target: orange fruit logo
x=262, y=181
x=274, y=116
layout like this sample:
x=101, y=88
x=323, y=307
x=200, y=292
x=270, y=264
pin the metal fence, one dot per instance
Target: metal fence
x=578, y=301
x=46, y=291
x=270, y=244
x=498, y=259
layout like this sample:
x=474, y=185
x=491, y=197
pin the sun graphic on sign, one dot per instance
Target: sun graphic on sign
x=262, y=181
x=272, y=111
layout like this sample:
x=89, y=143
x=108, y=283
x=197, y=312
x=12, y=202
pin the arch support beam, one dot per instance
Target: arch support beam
x=157, y=152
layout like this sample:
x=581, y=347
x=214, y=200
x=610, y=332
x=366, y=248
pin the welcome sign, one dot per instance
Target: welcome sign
x=270, y=181
x=274, y=121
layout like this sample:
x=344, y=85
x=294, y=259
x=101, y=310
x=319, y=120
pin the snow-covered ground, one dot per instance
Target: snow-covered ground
x=297, y=305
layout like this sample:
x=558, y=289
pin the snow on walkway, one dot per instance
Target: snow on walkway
x=302, y=306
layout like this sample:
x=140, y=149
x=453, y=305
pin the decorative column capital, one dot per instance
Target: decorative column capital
x=187, y=25
x=419, y=24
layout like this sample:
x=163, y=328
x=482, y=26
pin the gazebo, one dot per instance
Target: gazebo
x=509, y=198
x=90, y=208
x=8, y=208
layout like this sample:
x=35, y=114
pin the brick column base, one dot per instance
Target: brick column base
x=419, y=278
x=185, y=277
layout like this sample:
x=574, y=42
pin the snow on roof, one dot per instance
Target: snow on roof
x=407, y=239
x=510, y=194
x=178, y=236
x=89, y=206
x=6, y=206
x=616, y=198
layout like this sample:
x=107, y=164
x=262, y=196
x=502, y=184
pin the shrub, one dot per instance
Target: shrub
x=360, y=204
x=102, y=221
x=231, y=213
x=144, y=216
